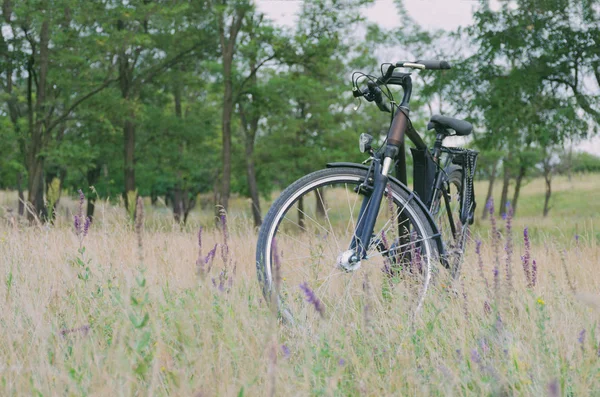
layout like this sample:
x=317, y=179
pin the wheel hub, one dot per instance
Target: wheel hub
x=348, y=261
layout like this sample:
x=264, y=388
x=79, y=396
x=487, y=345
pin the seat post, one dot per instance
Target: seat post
x=437, y=146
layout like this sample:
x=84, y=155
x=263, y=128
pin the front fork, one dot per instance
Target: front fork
x=370, y=208
x=382, y=164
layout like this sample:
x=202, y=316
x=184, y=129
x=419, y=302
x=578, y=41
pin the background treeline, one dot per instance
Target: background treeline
x=170, y=99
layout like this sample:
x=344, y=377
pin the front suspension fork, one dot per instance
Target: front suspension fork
x=370, y=209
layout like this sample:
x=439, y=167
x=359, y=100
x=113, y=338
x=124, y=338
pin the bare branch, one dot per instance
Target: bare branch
x=252, y=74
x=150, y=74
x=78, y=102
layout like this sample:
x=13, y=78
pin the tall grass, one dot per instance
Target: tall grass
x=140, y=311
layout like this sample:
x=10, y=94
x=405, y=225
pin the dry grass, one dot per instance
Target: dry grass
x=68, y=330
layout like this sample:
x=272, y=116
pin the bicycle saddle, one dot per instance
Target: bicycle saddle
x=461, y=127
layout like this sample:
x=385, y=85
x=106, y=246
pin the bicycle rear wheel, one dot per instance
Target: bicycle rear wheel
x=311, y=225
x=454, y=239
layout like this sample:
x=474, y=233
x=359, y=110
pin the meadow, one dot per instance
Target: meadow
x=143, y=309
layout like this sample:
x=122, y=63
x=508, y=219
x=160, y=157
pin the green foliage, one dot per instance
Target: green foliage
x=585, y=162
x=158, y=65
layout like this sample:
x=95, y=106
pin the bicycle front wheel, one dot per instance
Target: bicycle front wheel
x=308, y=231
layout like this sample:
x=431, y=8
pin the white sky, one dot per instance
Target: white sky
x=430, y=14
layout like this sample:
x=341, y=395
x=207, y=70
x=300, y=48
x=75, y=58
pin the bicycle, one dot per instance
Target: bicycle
x=407, y=233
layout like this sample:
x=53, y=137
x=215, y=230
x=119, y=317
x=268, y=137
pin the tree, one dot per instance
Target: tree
x=230, y=17
x=55, y=42
x=150, y=37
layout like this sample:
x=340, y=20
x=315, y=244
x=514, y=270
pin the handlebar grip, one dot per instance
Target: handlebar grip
x=434, y=65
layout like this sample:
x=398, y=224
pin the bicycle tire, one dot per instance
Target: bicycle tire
x=424, y=239
x=454, y=245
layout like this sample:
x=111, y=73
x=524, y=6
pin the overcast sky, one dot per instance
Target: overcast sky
x=430, y=14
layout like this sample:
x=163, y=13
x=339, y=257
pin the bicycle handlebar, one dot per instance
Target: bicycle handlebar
x=373, y=93
x=430, y=65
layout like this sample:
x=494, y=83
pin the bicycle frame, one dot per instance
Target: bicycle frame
x=382, y=161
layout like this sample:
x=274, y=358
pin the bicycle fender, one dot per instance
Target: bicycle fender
x=409, y=192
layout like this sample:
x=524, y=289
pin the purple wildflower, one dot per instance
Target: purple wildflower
x=577, y=238
x=81, y=198
x=495, y=241
x=200, y=240
x=390, y=201
x=312, y=298
x=496, y=273
x=475, y=357
x=554, y=388
x=508, y=248
x=527, y=256
x=459, y=355
x=77, y=224
x=80, y=330
x=199, y=260
x=581, y=338
x=480, y=263
x=341, y=362
x=384, y=240
x=81, y=224
x=533, y=273
x=465, y=301
x=286, y=351
x=86, y=226
x=208, y=260
x=487, y=309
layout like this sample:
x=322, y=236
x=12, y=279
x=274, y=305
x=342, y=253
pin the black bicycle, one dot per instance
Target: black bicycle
x=335, y=223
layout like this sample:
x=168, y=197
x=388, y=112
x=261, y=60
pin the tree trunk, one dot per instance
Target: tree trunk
x=189, y=204
x=228, y=42
x=35, y=194
x=548, y=180
x=126, y=69
x=518, y=182
x=129, y=155
x=226, y=132
x=35, y=190
x=249, y=128
x=505, y=185
x=490, y=190
x=177, y=204
x=21, y=195
x=320, y=202
x=178, y=192
x=301, y=212
x=252, y=184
